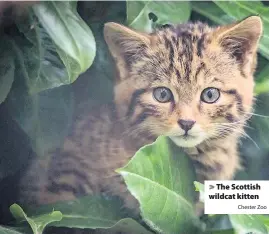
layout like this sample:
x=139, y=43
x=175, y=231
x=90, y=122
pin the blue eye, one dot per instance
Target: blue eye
x=210, y=95
x=162, y=94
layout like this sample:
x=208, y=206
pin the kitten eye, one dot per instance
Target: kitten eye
x=210, y=95
x=162, y=94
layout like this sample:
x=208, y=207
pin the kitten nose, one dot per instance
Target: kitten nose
x=186, y=124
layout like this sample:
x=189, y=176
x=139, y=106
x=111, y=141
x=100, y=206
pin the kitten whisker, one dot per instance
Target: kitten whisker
x=243, y=124
x=263, y=116
x=243, y=133
x=247, y=136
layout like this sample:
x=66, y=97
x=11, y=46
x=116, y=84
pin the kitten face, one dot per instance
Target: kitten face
x=191, y=82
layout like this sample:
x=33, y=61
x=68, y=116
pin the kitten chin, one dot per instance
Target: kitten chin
x=187, y=142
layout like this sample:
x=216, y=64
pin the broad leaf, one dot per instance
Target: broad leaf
x=8, y=230
x=53, y=48
x=133, y=9
x=58, y=45
x=87, y=212
x=242, y=9
x=161, y=178
x=38, y=58
x=227, y=231
x=91, y=212
x=248, y=224
x=265, y=220
x=37, y=223
x=139, y=14
x=211, y=11
x=73, y=38
x=127, y=225
x=262, y=83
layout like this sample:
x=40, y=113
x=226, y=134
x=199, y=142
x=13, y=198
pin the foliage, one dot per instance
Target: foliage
x=51, y=47
x=100, y=212
x=37, y=223
x=164, y=191
x=5, y=230
x=145, y=15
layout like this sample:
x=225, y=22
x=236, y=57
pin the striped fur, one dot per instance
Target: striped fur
x=186, y=59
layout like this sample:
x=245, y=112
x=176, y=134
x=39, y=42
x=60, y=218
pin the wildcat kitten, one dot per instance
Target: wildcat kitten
x=191, y=82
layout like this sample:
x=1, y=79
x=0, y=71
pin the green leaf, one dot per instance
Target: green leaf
x=87, y=212
x=37, y=57
x=248, y=224
x=133, y=9
x=161, y=178
x=262, y=83
x=58, y=45
x=166, y=12
x=92, y=212
x=73, y=38
x=265, y=220
x=46, y=115
x=127, y=225
x=242, y=9
x=6, y=68
x=37, y=223
x=264, y=73
x=212, y=12
x=8, y=230
x=227, y=231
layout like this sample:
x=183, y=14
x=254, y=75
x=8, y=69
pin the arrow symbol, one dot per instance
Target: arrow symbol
x=211, y=186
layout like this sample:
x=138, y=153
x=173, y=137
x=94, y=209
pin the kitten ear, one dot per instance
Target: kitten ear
x=124, y=44
x=241, y=39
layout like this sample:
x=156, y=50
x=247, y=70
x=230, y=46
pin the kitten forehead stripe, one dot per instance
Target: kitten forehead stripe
x=200, y=46
x=188, y=53
x=171, y=55
x=178, y=73
x=199, y=69
x=167, y=42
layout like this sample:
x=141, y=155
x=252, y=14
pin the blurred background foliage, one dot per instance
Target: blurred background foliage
x=55, y=66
